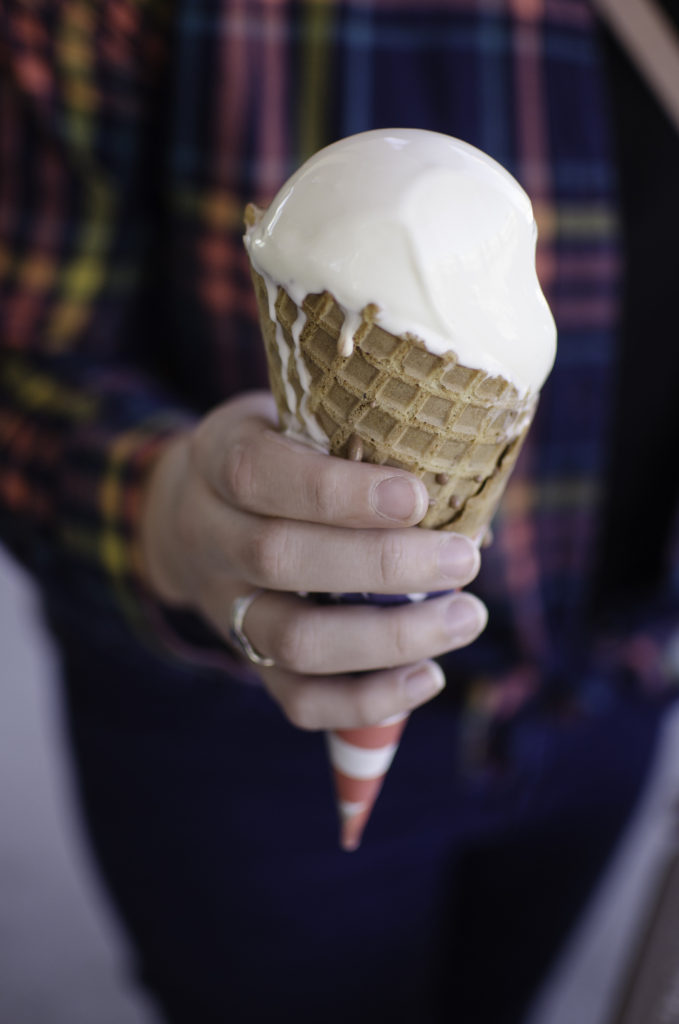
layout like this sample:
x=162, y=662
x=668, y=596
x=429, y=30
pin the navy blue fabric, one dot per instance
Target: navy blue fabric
x=213, y=820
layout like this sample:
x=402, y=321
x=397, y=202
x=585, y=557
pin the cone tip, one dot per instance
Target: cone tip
x=351, y=832
x=349, y=843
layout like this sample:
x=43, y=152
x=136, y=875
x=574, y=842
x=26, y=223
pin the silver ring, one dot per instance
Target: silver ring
x=238, y=612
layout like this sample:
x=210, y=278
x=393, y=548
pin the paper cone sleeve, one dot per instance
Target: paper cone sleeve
x=360, y=760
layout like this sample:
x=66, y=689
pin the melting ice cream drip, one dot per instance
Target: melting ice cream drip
x=298, y=408
x=345, y=342
x=283, y=350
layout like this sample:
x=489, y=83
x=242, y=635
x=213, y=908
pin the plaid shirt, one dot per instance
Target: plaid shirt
x=132, y=135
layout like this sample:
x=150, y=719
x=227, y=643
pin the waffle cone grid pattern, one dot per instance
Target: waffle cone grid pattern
x=456, y=428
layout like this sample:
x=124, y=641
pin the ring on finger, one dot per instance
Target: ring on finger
x=239, y=610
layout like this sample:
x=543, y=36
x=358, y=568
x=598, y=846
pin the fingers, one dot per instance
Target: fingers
x=256, y=469
x=352, y=702
x=315, y=648
x=307, y=639
x=280, y=514
x=280, y=554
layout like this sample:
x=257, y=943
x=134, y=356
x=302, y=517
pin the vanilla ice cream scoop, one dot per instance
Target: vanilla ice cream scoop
x=430, y=230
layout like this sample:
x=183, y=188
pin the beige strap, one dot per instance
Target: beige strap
x=650, y=39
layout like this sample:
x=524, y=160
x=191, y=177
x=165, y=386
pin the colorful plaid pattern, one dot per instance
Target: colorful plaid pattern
x=130, y=141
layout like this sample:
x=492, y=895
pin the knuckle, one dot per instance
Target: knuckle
x=293, y=644
x=325, y=495
x=266, y=553
x=300, y=710
x=368, y=708
x=402, y=639
x=392, y=560
x=239, y=473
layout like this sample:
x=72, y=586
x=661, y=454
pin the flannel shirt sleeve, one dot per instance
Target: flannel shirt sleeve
x=81, y=420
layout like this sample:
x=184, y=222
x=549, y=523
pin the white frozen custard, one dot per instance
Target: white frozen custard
x=435, y=233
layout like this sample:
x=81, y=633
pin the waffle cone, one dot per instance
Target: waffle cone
x=391, y=402
x=397, y=404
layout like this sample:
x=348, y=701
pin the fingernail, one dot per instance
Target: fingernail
x=397, y=498
x=465, y=617
x=424, y=682
x=458, y=559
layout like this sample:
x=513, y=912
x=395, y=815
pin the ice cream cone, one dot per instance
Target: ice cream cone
x=384, y=399
x=390, y=401
x=404, y=325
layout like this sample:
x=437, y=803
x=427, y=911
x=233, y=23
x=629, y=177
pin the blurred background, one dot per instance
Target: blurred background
x=62, y=957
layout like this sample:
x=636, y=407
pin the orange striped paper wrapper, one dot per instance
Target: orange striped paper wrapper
x=360, y=760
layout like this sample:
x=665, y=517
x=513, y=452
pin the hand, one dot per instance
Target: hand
x=235, y=505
